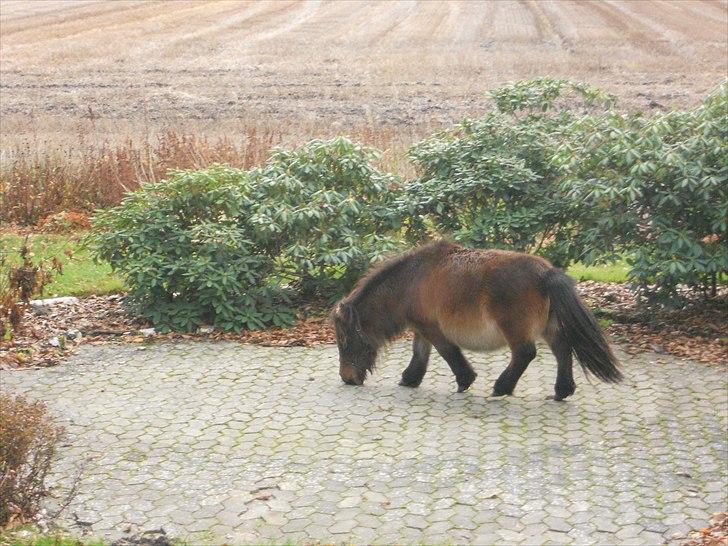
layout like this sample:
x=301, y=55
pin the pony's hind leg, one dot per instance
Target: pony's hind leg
x=521, y=323
x=565, y=385
x=413, y=374
x=521, y=356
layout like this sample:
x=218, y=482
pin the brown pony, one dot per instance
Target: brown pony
x=454, y=297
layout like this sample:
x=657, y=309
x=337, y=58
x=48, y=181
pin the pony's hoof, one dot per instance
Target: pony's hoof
x=562, y=392
x=353, y=383
x=465, y=383
x=498, y=394
x=556, y=398
x=503, y=388
x=409, y=384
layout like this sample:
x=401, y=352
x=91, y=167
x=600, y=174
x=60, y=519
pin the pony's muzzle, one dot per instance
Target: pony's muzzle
x=350, y=375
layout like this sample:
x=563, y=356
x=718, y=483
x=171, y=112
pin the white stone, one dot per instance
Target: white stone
x=52, y=301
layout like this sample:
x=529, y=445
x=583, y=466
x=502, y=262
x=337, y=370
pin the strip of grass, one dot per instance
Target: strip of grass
x=53, y=540
x=616, y=272
x=81, y=276
x=29, y=535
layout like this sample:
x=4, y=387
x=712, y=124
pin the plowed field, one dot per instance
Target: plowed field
x=211, y=64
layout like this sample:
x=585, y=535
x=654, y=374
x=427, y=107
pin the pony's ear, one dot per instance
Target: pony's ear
x=345, y=315
x=342, y=316
x=337, y=316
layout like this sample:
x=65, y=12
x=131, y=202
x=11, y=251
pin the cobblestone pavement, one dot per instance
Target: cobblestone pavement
x=219, y=442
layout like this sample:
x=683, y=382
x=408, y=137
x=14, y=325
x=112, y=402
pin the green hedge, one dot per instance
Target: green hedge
x=554, y=169
x=657, y=190
x=491, y=182
x=231, y=248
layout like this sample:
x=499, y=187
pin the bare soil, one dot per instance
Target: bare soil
x=111, y=69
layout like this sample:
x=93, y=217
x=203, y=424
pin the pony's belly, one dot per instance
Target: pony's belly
x=483, y=337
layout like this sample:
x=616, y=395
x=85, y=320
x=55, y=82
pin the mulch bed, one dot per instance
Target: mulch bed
x=100, y=319
x=698, y=332
x=715, y=534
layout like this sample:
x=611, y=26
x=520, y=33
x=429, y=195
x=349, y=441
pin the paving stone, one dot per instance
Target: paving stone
x=650, y=537
x=557, y=524
x=342, y=526
x=605, y=525
x=537, y=516
x=486, y=539
x=509, y=536
x=233, y=443
x=629, y=531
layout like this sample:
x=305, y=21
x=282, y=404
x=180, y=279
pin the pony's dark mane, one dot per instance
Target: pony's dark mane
x=389, y=268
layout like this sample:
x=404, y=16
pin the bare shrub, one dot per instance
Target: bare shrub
x=38, y=179
x=28, y=439
x=36, y=182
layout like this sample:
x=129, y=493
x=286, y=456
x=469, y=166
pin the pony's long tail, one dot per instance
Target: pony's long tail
x=579, y=328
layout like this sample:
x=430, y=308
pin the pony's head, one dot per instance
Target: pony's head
x=357, y=352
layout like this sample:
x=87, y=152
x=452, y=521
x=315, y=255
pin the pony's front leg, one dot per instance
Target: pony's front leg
x=464, y=372
x=413, y=374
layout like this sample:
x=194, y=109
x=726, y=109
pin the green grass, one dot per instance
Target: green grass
x=52, y=540
x=29, y=535
x=616, y=272
x=80, y=277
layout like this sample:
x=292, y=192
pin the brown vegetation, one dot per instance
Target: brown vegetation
x=28, y=439
x=715, y=534
x=36, y=182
